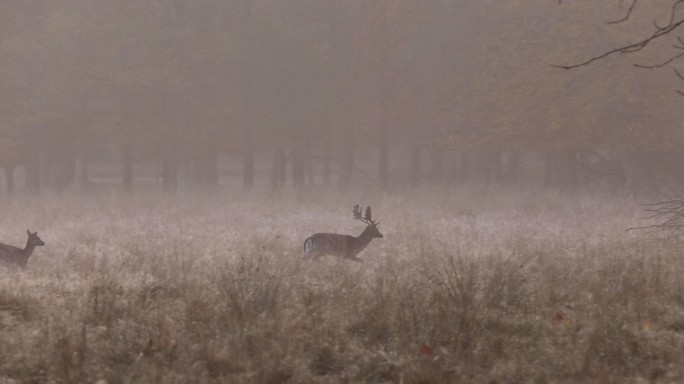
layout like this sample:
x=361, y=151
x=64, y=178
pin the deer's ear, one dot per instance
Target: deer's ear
x=28, y=232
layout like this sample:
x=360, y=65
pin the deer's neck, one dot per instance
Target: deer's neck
x=28, y=251
x=363, y=240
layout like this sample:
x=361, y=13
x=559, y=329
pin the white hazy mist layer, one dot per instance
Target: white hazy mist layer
x=175, y=155
x=383, y=93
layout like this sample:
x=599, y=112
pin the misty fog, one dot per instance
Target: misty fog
x=308, y=93
x=193, y=182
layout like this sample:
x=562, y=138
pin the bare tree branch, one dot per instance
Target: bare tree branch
x=625, y=49
x=673, y=13
x=681, y=43
x=634, y=47
x=664, y=63
x=670, y=212
x=681, y=77
x=629, y=13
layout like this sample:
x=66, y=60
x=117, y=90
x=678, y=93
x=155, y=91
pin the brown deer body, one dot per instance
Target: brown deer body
x=15, y=256
x=344, y=246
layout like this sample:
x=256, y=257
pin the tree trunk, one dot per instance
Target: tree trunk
x=383, y=53
x=69, y=175
x=210, y=166
x=308, y=163
x=127, y=156
x=244, y=25
x=282, y=168
x=298, y=164
x=326, y=158
x=33, y=172
x=184, y=165
x=560, y=169
x=176, y=118
x=34, y=163
x=383, y=157
x=513, y=165
x=494, y=167
x=170, y=165
x=437, y=172
x=568, y=169
x=453, y=167
x=248, y=161
x=9, y=178
x=278, y=168
x=416, y=164
x=158, y=175
x=550, y=170
x=82, y=181
x=347, y=165
x=464, y=169
x=343, y=116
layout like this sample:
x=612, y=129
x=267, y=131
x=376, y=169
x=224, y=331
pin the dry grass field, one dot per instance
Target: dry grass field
x=519, y=286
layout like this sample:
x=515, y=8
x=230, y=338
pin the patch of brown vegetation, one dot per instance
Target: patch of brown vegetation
x=500, y=294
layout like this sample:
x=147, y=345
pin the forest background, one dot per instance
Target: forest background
x=381, y=93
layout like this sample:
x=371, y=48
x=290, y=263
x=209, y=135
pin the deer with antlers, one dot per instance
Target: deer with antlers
x=344, y=246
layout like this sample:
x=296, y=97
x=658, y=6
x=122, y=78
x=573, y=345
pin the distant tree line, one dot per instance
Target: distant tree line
x=310, y=84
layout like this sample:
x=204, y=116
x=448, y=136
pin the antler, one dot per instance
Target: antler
x=368, y=219
x=357, y=212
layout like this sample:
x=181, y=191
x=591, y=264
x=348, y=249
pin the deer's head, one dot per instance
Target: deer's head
x=372, y=228
x=34, y=239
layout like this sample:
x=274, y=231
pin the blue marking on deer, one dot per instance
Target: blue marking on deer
x=308, y=245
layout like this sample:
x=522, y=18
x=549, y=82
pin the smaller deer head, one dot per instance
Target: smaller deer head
x=368, y=219
x=34, y=239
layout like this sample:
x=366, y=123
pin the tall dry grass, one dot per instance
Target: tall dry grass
x=467, y=286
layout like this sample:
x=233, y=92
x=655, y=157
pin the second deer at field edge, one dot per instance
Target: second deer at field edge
x=344, y=246
x=15, y=256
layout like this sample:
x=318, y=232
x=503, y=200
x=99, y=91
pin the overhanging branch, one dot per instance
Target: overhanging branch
x=672, y=25
x=664, y=63
x=629, y=13
x=631, y=48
